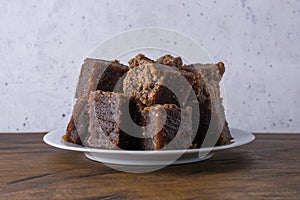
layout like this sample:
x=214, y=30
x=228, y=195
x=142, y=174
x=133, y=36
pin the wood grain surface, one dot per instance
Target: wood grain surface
x=268, y=168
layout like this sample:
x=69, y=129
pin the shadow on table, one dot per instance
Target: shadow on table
x=227, y=161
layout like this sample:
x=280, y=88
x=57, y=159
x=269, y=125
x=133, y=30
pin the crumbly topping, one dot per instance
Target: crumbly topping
x=140, y=59
x=170, y=61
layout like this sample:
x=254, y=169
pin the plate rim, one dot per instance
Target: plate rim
x=58, y=143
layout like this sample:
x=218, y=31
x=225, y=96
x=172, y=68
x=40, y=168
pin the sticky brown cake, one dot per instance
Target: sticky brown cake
x=170, y=61
x=78, y=126
x=168, y=127
x=207, y=90
x=99, y=75
x=138, y=60
x=153, y=83
x=109, y=114
x=95, y=75
x=149, y=105
x=165, y=126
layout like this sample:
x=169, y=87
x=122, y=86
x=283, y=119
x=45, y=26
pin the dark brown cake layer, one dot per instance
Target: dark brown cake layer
x=207, y=89
x=200, y=121
x=225, y=137
x=168, y=127
x=109, y=115
x=99, y=75
x=78, y=126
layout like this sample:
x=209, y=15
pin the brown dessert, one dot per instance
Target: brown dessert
x=95, y=75
x=140, y=59
x=99, y=75
x=122, y=112
x=109, y=113
x=78, y=126
x=170, y=61
x=153, y=83
x=168, y=127
x=225, y=137
x=206, y=88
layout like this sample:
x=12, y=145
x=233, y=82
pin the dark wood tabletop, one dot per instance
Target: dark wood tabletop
x=268, y=168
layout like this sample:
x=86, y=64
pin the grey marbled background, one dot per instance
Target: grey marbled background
x=42, y=44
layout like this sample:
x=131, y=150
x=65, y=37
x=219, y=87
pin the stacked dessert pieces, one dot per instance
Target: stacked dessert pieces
x=148, y=105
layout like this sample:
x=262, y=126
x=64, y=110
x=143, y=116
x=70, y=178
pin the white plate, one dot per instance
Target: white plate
x=153, y=42
x=146, y=158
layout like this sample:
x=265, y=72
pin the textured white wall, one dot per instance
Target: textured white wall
x=42, y=44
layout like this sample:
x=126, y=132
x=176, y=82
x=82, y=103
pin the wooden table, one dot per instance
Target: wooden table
x=268, y=168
